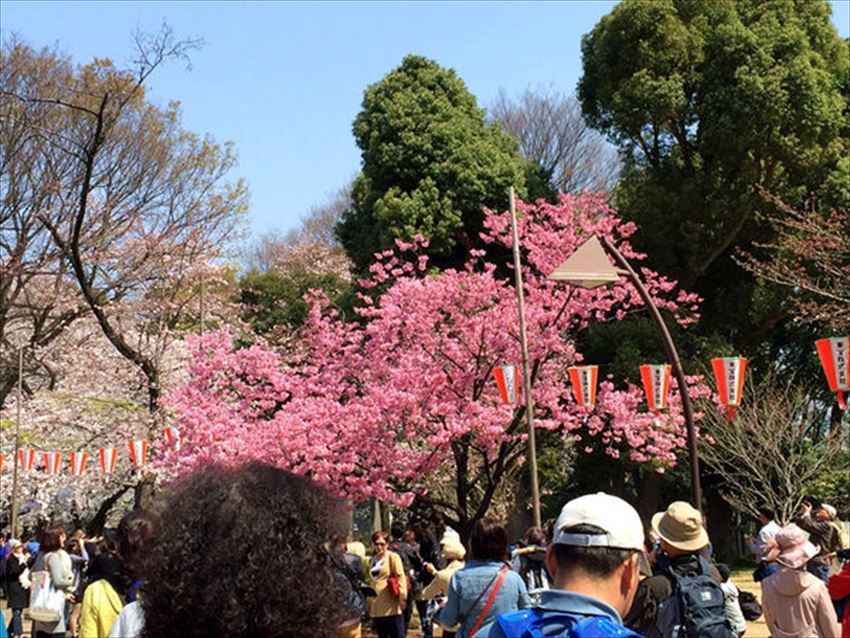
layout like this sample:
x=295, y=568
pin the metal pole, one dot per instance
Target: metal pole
x=673, y=355
x=526, y=373
x=17, y=444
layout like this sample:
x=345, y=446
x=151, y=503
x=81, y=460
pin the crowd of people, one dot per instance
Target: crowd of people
x=257, y=551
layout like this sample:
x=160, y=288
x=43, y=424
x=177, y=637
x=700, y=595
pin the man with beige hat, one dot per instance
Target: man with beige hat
x=683, y=597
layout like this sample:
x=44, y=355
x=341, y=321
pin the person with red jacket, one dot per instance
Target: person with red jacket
x=839, y=592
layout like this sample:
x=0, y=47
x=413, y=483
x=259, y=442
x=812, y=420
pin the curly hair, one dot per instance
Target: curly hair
x=240, y=552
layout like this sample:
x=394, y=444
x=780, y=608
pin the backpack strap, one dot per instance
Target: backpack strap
x=492, y=597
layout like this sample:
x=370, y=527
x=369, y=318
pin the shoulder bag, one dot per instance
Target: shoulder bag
x=47, y=604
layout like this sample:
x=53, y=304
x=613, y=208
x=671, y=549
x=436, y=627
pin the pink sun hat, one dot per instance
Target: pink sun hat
x=791, y=547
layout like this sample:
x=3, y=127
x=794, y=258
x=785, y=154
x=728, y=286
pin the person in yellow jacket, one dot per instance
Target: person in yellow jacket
x=387, y=607
x=101, y=606
x=117, y=584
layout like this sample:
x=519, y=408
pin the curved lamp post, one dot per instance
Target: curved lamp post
x=589, y=267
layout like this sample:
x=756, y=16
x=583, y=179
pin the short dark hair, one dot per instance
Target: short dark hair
x=51, y=539
x=595, y=561
x=397, y=530
x=724, y=571
x=382, y=535
x=273, y=524
x=533, y=536
x=768, y=512
x=488, y=541
x=135, y=533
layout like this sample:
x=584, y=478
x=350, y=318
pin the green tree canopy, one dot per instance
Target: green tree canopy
x=431, y=162
x=711, y=101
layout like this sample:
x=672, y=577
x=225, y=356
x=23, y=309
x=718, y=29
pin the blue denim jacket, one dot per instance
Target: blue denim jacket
x=465, y=586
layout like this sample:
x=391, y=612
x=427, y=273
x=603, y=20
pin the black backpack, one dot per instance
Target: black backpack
x=750, y=606
x=533, y=573
x=696, y=609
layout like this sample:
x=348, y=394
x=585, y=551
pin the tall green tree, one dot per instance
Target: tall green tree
x=431, y=163
x=711, y=101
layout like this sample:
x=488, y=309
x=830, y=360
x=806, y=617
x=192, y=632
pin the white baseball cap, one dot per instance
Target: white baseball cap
x=623, y=529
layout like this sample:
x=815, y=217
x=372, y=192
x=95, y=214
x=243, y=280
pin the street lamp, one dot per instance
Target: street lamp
x=589, y=267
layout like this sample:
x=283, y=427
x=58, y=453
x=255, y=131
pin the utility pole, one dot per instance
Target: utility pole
x=526, y=371
x=14, y=517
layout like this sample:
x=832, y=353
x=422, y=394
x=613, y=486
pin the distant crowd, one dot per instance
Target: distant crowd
x=256, y=551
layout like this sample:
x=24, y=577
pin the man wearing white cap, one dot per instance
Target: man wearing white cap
x=593, y=560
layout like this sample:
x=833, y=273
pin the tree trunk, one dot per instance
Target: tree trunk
x=98, y=521
x=143, y=492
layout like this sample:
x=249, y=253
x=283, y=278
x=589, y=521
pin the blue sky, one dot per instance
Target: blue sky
x=285, y=80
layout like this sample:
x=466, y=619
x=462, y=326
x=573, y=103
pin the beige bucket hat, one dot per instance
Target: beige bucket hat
x=681, y=526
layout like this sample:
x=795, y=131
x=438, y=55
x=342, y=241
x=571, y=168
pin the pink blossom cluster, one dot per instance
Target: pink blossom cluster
x=374, y=408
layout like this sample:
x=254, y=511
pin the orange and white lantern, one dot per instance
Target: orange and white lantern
x=26, y=459
x=656, y=384
x=138, y=452
x=507, y=378
x=834, y=354
x=52, y=461
x=174, y=437
x=108, y=456
x=584, y=379
x=78, y=463
x=729, y=373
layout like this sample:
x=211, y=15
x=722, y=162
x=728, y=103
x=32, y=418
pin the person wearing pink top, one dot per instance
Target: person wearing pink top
x=795, y=602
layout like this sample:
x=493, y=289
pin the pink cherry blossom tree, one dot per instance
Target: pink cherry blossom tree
x=402, y=406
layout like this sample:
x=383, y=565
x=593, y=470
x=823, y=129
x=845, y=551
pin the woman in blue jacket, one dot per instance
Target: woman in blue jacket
x=486, y=586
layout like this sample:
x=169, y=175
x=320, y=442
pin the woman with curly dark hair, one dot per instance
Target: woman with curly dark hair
x=241, y=552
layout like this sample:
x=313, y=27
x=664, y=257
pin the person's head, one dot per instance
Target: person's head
x=52, y=539
x=453, y=549
x=488, y=541
x=340, y=543
x=108, y=542
x=680, y=529
x=766, y=514
x=413, y=534
x=825, y=513
x=72, y=546
x=15, y=546
x=533, y=536
x=79, y=534
x=243, y=550
x=791, y=547
x=135, y=533
x=380, y=540
x=397, y=530
x=724, y=570
x=596, y=548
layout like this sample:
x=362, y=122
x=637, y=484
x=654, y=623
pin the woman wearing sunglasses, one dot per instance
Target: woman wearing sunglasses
x=390, y=585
